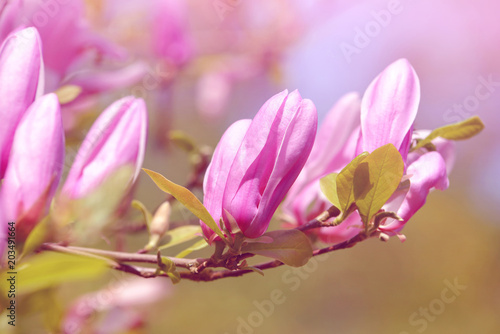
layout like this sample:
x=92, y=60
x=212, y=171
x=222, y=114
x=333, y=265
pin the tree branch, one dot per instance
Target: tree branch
x=120, y=256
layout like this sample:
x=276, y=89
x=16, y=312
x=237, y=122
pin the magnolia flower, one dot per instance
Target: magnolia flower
x=65, y=33
x=387, y=113
x=256, y=162
x=117, y=138
x=333, y=149
x=21, y=81
x=119, y=303
x=73, y=53
x=35, y=164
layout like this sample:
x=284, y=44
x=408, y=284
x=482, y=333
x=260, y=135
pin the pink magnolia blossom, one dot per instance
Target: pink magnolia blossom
x=35, y=164
x=333, y=149
x=117, y=138
x=73, y=53
x=66, y=34
x=120, y=303
x=9, y=10
x=21, y=81
x=256, y=162
x=388, y=110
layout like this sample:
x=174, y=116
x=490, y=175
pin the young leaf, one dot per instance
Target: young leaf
x=458, y=131
x=187, y=198
x=379, y=217
x=168, y=266
x=181, y=234
x=345, y=182
x=183, y=141
x=50, y=269
x=36, y=237
x=375, y=180
x=148, y=217
x=328, y=186
x=68, y=93
x=194, y=247
x=291, y=247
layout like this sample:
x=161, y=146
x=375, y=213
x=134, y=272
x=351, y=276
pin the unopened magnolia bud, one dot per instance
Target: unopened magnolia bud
x=159, y=225
x=161, y=219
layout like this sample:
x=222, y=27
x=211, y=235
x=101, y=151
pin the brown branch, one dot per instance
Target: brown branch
x=209, y=275
x=200, y=270
x=321, y=220
x=119, y=256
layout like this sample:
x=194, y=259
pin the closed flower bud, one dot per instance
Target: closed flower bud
x=256, y=163
x=35, y=164
x=117, y=138
x=21, y=80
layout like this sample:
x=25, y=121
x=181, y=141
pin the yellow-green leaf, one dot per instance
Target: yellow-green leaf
x=36, y=237
x=148, y=217
x=375, y=180
x=168, y=266
x=187, y=198
x=194, y=247
x=183, y=141
x=50, y=269
x=181, y=234
x=68, y=93
x=344, y=182
x=291, y=247
x=458, y=131
x=328, y=186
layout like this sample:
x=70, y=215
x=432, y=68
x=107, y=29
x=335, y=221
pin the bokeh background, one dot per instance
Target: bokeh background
x=226, y=58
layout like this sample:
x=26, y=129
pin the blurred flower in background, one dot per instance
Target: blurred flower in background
x=117, y=308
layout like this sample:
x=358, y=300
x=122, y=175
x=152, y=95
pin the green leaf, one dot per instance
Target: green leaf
x=328, y=186
x=291, y=247
x=458, y=131
x=194, y=247
x=148, y=217
x=168, y=266
x=187, y=198
x=345, y=182
x=36, y=237
x=375, y=180
x=50, y=268
x=180, y=235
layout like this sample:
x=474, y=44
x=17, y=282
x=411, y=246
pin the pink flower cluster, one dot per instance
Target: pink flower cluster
x=32, y=146
x=256, y=162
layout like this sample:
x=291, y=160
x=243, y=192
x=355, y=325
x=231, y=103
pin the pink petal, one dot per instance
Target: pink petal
x=21, y=80
x=95, y=81
x=389, y=107
x=293, y=154
x=443, y=146
x=36, y=159
x=9, y=12
x=428, y=172
x=337, y=128
x=218, y=170
x=273, y=152
x=117, y=138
